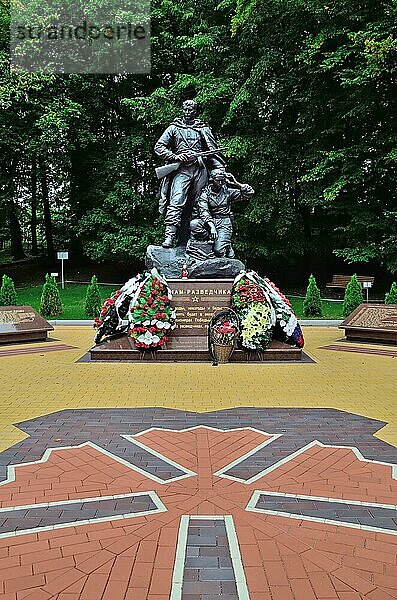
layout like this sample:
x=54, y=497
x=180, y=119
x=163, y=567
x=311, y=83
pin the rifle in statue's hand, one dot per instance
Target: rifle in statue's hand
x=171, y=167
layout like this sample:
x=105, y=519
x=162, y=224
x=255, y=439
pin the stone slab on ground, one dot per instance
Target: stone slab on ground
x=372, y=322
x=22, y=324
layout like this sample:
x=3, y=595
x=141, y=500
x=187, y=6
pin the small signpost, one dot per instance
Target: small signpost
x=62, y=256
x=367, y=286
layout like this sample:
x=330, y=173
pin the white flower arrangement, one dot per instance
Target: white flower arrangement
x=250, y=289
x=256, y=326
x=148, y=338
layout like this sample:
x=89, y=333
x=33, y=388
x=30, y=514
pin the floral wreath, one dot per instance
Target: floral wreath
x=145, y=301
x=265, y=313
x=109, y=302
x=256, y=312
x=151, y=316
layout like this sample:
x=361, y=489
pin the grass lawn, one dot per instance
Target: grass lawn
x=332, y=309
x=73, y=297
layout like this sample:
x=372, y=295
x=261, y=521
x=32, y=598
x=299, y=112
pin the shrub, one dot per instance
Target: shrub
x=312, y=302
x=93, y=302
x=353, y=296
x=8, y=295
x=391, y=297
x=50, y=302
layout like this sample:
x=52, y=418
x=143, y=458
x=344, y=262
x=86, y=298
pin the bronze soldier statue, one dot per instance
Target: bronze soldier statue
x=182, y=143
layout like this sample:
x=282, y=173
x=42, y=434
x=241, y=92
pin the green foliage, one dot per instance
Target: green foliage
x=301, y=91
x=73, y=300
x=353, y=296
x=391, y=296
x=50, y=303
x=72, y=296
x=312, y=302
x=321, y=84
x=93, y=302
x=8, y=295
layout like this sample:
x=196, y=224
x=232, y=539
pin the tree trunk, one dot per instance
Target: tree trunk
x=17, y=251
x=47, y=212
x=33, y=221
x=15, y=231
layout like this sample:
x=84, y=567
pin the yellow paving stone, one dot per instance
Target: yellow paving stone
x=37, y=384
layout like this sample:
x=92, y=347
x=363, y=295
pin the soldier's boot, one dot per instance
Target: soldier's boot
x=170, y=233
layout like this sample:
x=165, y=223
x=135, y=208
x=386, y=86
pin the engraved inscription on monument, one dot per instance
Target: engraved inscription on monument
x=380, y=317
x=14, y=317
x=373, y=322
x=196, y=301
x=22, y=323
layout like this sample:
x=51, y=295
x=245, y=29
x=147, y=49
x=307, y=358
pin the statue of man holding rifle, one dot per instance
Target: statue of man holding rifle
x=190, y=149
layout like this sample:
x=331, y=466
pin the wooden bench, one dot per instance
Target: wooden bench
x=341, y=281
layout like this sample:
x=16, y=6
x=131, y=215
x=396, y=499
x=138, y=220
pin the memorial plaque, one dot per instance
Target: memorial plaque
x=21, y=324
x=372, y=322
x=196, y=301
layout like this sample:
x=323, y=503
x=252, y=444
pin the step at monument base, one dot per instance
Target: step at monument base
x=187, y=349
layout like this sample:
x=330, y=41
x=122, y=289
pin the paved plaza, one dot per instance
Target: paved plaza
x=186, y=481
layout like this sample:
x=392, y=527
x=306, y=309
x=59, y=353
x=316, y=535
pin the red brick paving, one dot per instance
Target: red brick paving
x=130, y=559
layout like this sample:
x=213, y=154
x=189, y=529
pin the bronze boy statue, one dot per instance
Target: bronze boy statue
x=213, y=212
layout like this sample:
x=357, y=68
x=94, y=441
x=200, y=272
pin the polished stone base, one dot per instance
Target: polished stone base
x=187, y=349
x=169, y=262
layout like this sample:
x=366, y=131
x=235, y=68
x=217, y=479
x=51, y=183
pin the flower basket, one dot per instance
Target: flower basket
x=221, y=354
x=223, y=332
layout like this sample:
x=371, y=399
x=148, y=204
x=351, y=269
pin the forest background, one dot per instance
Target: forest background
x=303, y=92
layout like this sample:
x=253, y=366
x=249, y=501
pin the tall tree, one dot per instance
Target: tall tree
x=302, y=92
x=17, y=251
x=33, y=205
x=47, y=211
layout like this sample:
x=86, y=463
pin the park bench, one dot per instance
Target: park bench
x=341, y=281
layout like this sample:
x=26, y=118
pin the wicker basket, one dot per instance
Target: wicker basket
x=221, y=347
x=222, y=354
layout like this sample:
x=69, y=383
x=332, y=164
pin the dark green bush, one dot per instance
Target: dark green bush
x=8, y=295
x=391, y=297
x=50, y=302
x=312, y=302
x=93, y=302
x=353, y=296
